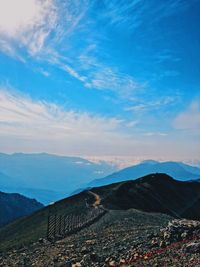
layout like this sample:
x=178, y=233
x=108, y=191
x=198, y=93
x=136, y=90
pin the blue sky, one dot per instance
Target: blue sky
x=100, y=78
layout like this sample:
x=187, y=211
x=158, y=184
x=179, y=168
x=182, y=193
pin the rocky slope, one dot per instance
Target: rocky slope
x=121, y=238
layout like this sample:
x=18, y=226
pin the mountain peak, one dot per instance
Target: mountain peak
x=149, y=161
x=156, y=176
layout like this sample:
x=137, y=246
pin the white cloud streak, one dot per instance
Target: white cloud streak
x=45, y=126
x=38, y=25
x=119, y=13
x=26, y=23
x=168, y=100
x=28, y=125
x=104, y=77
x=39, y=117
x=155, y=134
x=97, y=75
x=189, y=119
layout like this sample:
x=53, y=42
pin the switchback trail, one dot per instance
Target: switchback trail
x=97, y=201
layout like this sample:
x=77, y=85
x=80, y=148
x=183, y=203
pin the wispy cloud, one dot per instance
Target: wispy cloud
x=94, y=74
x=120, y=13
x=26, y=23
x=72, y=72
x=189, y=119
x=37, y=122
x=102, y=76
x=47, y=117
x=43, y=72
x=154, y=134
x=8, y=49
x=152, y=105
x=40, y=26
x=36, y=126
x=37, y=25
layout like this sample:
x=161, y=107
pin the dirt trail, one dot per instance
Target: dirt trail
x=97, y=201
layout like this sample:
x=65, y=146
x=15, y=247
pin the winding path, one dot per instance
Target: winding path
x=97, y=201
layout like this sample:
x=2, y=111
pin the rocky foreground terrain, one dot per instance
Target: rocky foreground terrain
x=141, y=225
x=119, y=238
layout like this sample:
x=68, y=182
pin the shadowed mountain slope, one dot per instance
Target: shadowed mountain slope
x=154, y=193
x=41, y=195
x=13, y=206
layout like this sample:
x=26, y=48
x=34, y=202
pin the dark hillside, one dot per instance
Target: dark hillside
x=13, y=206
x=155, y=193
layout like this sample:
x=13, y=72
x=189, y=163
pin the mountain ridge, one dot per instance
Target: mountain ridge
x=14, y=206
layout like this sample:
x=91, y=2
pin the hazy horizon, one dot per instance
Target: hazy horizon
x=118, y=161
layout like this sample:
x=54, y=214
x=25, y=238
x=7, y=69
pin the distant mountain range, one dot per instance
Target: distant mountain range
x=178, y=170
x=47, y=177
x=13, y=206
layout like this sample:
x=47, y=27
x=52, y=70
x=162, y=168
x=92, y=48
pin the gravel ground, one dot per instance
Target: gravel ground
x=120, y=238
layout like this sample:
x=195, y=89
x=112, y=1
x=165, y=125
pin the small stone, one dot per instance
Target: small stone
x=77, y=264
x=136, y=255
x=166, y=235
x=68, y=263
x=184, y=235
x=112, y=263
x=84, y=250
x=162, y=244
x=122, y=261
x=90, y=242
x=192, y=247
x=94, y=257
x=154, y=243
